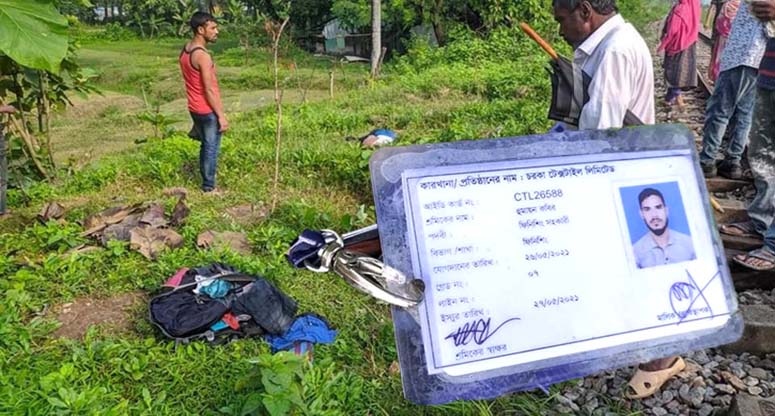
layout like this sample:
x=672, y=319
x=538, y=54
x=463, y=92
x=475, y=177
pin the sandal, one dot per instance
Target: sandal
x=740, y=229
x=762, y=253
x=645, y=383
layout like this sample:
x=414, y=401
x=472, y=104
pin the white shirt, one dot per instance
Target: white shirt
x=619, y=62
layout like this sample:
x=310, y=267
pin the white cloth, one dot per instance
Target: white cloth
x=619, y=62
x=746, y=43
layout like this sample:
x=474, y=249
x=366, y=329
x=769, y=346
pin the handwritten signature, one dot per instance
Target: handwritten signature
x=683, y=293
x=477, y=331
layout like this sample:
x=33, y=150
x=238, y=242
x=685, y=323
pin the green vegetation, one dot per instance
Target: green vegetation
x=476, y=87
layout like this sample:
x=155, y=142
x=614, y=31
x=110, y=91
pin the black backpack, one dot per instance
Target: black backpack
x=250, y=306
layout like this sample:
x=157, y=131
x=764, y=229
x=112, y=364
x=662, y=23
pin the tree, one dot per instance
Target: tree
x=32, y=34
x=275, y=29
x=376, y=36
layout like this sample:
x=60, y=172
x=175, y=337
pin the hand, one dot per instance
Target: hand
x=7, y=109
x=223, y=123
x=764, y=10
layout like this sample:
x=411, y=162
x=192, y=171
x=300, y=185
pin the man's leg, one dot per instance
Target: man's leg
x=762, y=159
x=721, y=106
x=208, y=151
x=745, y=100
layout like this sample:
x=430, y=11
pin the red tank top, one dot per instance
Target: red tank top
x=195, y=90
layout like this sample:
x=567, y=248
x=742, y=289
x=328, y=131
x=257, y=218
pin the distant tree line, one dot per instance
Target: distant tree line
x=151, y=18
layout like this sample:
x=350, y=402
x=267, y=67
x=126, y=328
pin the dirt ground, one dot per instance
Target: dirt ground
x=116, y=313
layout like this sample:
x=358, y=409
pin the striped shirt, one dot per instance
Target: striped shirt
x=767, y=67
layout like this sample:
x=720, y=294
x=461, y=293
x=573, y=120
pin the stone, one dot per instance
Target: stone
x=598, y=385
x=759, y=373
x=698, y=382
x=701, y=357
x=767, y=364
x=691, y=368
x=739, y=373
x=591, y=405
x=759, y=333
x=673, y=405
x=734, y=380
x=667, y=396
x=565, y=402
x=572, y=396
x=683, y=393
x=696, y=396
x=709, y=393
x=755, y=390
x=705, y=410
x=721, y=401
x=746, y=405
x=726, y=388
x=658, y=411
x=751, y=381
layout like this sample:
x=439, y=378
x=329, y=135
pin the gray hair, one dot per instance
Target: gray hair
x=603, y=7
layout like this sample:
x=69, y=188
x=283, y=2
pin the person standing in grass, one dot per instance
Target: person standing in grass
x=619, y=62
x=204, y=97
x=679, y=42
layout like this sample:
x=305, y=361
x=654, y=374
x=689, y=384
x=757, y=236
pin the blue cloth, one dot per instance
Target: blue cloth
x=558, y=127
x=206, y=128
x=305, y=247
x=734, y=94
x=217, y=289
x=390, y=134
x=305, y=328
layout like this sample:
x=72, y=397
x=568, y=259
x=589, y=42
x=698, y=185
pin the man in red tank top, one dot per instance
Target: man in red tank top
x=204, y=97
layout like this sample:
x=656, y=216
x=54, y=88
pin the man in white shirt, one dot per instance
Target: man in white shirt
x=615, y=56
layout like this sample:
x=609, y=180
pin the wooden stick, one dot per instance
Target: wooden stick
x=714, y=203
x=539, y=40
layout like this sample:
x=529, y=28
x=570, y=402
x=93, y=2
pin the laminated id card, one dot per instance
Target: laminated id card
x=547, y=258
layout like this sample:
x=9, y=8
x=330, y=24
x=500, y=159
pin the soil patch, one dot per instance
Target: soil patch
x=115, y=312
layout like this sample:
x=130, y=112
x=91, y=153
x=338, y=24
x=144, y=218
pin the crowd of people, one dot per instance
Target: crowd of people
x=618, y=61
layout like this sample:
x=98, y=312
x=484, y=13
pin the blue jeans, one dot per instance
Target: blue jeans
x=761, y=156
x=734, y=94
x=206, y=128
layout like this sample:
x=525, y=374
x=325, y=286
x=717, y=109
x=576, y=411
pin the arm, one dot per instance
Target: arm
x=764, y=10
x=7, y=109
x=609, y=94
x=204, y=64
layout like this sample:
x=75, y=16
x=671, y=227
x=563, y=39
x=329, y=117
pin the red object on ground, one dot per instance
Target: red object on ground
x=230, y=320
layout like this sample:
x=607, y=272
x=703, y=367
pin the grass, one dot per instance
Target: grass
x=325, y=184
